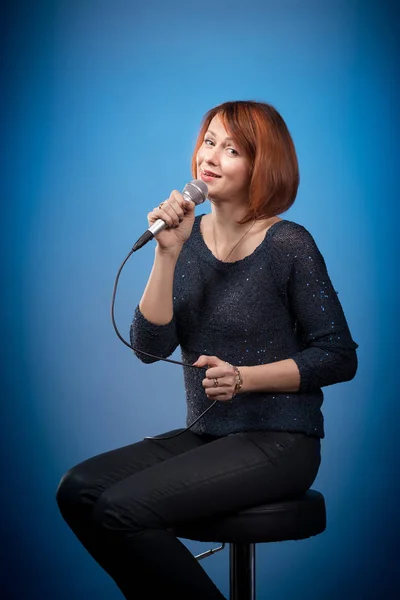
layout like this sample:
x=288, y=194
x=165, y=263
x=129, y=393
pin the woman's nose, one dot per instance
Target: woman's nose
x=212, y=155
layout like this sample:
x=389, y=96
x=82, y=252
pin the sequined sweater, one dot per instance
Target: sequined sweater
x=276, y=303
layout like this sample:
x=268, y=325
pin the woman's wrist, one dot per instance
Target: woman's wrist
x=280, y=376
x=168, y=254
x=244, y=375
x=238, y=382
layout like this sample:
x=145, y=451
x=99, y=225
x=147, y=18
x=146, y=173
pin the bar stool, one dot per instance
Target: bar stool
x=295, y=518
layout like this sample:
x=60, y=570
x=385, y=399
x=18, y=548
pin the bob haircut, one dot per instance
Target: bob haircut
x=262, y=135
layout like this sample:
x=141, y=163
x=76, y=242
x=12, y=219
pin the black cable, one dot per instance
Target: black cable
x=175, y=362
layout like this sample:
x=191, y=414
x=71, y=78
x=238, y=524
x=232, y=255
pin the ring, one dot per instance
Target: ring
x=215, y=382
x=160, y=205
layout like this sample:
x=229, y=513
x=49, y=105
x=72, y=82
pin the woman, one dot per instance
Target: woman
x=247, y=297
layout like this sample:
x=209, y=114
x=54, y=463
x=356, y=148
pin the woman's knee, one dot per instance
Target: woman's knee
x=108, y=512
x=116, y=512
x=72, y=492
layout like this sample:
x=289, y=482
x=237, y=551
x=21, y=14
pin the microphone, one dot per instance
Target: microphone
x=195, y=190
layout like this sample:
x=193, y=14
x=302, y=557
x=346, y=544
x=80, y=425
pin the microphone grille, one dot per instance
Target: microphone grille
x=196, y=190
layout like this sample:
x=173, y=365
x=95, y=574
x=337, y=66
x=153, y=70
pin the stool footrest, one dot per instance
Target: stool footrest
x=210, y=552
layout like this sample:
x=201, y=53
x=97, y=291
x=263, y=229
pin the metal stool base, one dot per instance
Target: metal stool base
x=242, y=570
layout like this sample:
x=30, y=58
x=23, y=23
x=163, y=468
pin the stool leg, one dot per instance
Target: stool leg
x=242, y=572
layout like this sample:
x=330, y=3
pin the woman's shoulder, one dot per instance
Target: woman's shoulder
x=291, y=234
x=292, y=242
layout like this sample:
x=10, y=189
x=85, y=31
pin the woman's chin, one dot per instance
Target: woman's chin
x=218, y=198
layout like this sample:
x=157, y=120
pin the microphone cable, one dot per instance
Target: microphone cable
x=175, y=362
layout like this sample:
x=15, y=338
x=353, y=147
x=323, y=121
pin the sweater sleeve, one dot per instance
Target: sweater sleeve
x=329, y=354
x=158, y=340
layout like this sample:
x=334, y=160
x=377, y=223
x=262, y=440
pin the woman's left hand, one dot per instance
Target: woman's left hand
x=220, y=380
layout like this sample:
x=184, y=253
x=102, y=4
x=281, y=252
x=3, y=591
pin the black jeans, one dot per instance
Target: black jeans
x=121, y=504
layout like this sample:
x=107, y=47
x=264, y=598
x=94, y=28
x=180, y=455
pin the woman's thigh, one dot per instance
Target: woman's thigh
x=221, y=476
x=86, y=481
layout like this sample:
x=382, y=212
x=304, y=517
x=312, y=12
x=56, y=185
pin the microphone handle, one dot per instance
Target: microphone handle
x=157, y=226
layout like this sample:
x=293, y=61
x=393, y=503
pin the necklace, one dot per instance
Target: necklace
x=237, y=243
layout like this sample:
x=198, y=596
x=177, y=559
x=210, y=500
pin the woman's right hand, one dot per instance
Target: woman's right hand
x=178, y=214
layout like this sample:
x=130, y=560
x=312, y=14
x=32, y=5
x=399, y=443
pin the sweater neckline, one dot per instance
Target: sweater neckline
x=207, y=254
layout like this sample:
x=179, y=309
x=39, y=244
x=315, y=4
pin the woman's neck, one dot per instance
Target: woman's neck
x=228, y=239
x=225, y=221
x=226, y=218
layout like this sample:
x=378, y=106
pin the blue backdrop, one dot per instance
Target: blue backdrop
x=102, y=102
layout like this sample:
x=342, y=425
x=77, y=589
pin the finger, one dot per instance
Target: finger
x=184, y=205
x=177, y=207
x=202, y=361
x=174, y=212
x=219, y=395
x=161, y=213
x=217, y=383
x=209, y=383
x=178, y=204
x=221, y=369
x=216, y=372
x=214, y=361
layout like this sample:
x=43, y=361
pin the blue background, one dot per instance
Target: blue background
x=102, y=102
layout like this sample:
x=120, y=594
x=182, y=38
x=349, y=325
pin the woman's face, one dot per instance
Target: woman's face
x=222, y=165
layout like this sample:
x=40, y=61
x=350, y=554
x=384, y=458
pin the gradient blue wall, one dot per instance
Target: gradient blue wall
x=101, y=106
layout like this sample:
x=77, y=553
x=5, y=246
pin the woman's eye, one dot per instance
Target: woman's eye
x=233, y=151
x=208, y=142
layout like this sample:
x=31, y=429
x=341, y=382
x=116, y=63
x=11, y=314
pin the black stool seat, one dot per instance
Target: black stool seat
x=295, y=518
x=292, y=519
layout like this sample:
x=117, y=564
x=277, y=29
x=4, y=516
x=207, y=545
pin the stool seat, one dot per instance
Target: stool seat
x=295, y=518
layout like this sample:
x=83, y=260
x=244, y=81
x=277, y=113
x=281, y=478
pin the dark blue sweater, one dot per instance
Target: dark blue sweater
x=275, y=304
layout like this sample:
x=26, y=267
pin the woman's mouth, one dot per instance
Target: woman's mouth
x=208, y=175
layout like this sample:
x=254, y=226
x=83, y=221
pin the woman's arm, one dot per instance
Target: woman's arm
x=329, y=354
x=280, y=376
x=156, y=302
x=153, y=328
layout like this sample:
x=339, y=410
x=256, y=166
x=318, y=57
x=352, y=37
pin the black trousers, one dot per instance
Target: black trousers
x=122, y=503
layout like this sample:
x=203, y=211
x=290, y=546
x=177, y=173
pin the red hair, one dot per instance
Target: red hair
x=263, y=136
